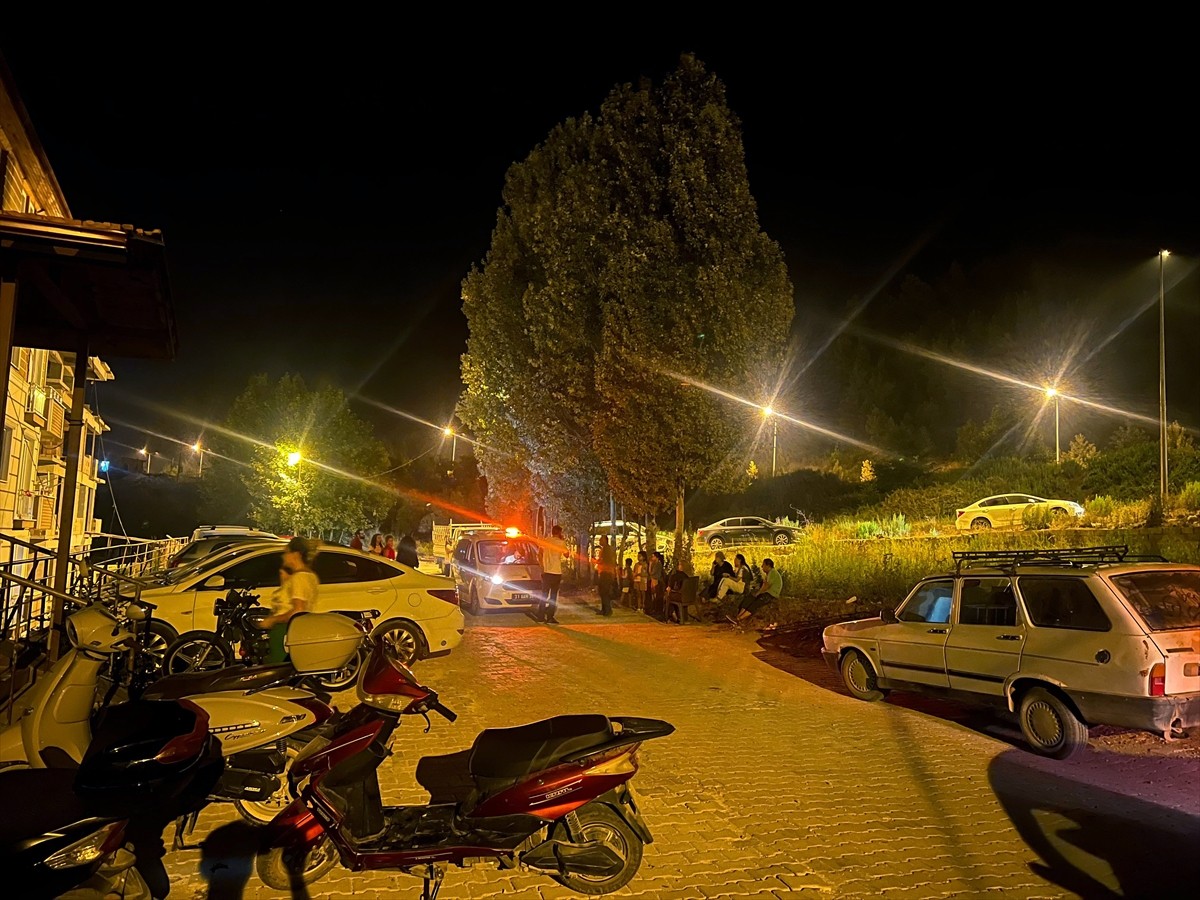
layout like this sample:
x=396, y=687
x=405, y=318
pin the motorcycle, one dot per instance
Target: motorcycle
x=238, y=624
x=146, y=767
x=551, y=796
x=262, y=722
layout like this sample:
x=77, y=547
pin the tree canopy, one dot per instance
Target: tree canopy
x=627, y=254
x=299, y=459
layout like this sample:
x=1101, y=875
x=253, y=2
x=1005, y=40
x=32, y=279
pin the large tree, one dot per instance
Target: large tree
x=628, y=252
x=300, y=458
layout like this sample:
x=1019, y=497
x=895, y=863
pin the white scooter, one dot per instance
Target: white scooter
x=251, y=709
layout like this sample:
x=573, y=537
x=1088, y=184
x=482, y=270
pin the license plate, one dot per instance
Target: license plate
x=520, y=596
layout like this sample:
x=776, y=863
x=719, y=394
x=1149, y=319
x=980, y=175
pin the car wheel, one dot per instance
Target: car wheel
x=472, y=604
x=716, y=543
x=859, y=677
x=1050, y=725
x=159, y=637
x=782, y=539
x=344, y=677
x=1057, y=512
x=981, y=522
x=402, y=641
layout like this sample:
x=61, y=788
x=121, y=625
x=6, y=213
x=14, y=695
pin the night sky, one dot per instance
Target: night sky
x=321, y=206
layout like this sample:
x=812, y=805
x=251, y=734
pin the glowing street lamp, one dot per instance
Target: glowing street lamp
x=770, y=414
x=1052, y=394
x=1162, y=380
x=450, y=433
x=293, y=458
x=144, y=451
x=198, y=449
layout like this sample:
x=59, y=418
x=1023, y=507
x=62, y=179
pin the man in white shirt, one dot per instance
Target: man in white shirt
x=552, y=556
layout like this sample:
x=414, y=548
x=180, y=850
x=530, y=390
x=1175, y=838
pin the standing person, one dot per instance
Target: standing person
x=377, y=544
x=356, y=542
x=641, y=581
x=389, y=547
x=297, y=593
x=608, y=575
x=656, y=593
x=627, y=584
x=771, y=589
x=720, y=569
x=406, y=553
x=552, y=557
x=738, y=582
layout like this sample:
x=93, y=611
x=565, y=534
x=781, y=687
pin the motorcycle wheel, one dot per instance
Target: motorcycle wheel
x=261, y=812
x=598, y=822
x=282, y=868
x=198, y=651
x=343, y=678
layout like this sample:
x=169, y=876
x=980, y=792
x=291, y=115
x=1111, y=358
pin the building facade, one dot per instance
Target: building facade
x=32, y=450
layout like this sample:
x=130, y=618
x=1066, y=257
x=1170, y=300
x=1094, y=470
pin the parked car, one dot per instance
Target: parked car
x=1066, y=639
x=496, y=570
x=445, y=539
x=1005, y=510
x=746, y=530
x=419, y=613
x=211, y=538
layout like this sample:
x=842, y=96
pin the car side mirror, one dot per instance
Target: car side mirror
x=213, y=583
x=888, y=615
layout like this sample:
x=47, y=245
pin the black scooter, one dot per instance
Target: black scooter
x=147, y=765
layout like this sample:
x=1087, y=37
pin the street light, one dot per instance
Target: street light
x=146, y=453
x=770, y=414
x=1052, y=394
x=450, y=433
x=294, y=458
x=198, y=449
x=1162, y=381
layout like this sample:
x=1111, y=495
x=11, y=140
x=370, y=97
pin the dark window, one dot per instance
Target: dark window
x=462, y=553
x=987, y=601
x=259, y=573
x=930, y=603
x=993, y=501
x=1062, y=603
x=507, y=553
x=343, y=568
x=1164, y=599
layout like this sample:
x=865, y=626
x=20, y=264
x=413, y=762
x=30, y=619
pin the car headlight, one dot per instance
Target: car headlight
x=496, y=579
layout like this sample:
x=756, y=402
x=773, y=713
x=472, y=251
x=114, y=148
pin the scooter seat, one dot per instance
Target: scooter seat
x=235, y=678
x=513, y=752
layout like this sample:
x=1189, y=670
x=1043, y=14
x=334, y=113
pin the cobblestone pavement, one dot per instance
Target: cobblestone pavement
x=776, y=784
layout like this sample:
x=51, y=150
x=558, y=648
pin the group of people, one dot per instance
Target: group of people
x=737, y=578
x=385, y=545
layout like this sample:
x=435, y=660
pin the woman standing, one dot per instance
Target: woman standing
x=389, y=547
x=297, y=593
x=641, y=581
x=658, y=585
x=377, y=544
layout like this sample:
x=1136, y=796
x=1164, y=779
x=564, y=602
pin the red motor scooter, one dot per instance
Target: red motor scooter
x=552, y=796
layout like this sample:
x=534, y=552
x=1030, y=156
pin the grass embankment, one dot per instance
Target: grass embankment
x=822, y=571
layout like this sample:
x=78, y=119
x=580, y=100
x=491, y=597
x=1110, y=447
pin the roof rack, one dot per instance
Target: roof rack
x=1064, y=556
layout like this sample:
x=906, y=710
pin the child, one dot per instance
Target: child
x=627, y=582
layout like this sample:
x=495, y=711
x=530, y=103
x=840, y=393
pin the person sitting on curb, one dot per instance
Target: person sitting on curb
x=771, y=589
x=737, y=582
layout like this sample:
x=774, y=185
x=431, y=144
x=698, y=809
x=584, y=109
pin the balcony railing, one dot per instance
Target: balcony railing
x=36, y=405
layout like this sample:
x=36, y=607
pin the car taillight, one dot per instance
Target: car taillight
x=1158, y=680
x=449, y=596
x=190, y=744
x=958, y=513
x=318, y=708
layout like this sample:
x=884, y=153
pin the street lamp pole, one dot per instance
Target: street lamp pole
x=770, y=414
x=1053, y=394
x=196, y=446
x=453, y=435
x=1162, y=380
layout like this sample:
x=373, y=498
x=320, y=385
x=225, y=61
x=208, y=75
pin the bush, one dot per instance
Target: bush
x=1189, y=497
x=896, y=526
x=1037, y=518
x=1098, y=510
x=867, y=530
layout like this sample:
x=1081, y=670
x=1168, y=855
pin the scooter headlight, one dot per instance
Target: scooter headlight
x=89, y=849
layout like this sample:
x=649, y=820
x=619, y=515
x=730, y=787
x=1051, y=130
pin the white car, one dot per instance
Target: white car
x=419, y=613
x=497, y=570
x=1065, y=639
x=1008, y=510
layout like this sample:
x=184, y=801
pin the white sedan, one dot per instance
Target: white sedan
x=1005, y=510
x=419, y=612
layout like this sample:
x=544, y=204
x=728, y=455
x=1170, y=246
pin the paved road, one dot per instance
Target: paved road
x=777, y=784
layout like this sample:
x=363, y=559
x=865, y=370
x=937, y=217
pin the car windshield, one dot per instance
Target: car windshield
x=507, y=553
x=175, y=576
x=1165, y=600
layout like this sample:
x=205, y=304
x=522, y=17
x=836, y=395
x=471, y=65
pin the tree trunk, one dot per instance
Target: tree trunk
x=679, y=519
